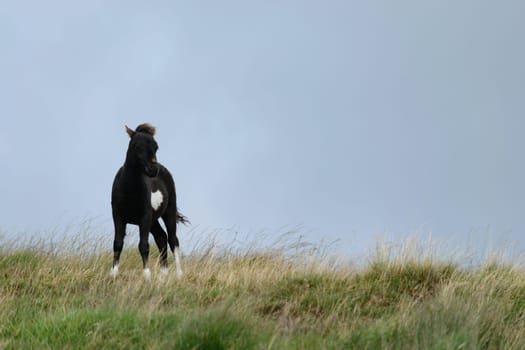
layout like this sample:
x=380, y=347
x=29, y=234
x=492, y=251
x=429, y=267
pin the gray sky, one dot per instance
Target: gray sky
x=352, y=119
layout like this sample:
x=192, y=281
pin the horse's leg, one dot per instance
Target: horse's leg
x=118, y=243
x=162, y=243
x=170, y=220
x=144, y=229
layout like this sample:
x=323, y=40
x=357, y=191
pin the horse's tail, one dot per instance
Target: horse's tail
x=182, y=219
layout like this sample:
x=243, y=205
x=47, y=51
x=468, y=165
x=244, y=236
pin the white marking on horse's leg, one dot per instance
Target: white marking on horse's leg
x=156, y=199
x=147, y=274
x=114, y=271
x=163, y=273
x=176, y=255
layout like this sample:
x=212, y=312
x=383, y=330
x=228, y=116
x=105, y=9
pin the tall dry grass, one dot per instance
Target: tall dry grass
x=277, y=297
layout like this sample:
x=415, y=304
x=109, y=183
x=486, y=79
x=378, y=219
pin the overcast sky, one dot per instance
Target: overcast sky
x=353, y=119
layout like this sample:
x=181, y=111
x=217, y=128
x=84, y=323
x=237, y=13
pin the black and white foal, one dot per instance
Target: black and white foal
x=144, y=191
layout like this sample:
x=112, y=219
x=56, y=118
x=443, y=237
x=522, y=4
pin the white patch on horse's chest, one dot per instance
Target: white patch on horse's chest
x=156, y=199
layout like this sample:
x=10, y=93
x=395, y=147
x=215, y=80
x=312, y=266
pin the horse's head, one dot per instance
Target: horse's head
x=142, y=149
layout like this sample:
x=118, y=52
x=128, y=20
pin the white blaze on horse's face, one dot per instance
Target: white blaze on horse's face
x=156, y=199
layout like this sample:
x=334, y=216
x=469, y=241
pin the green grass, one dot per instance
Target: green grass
x=53, y=300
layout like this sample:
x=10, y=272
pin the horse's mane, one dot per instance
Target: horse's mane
x=146, y=128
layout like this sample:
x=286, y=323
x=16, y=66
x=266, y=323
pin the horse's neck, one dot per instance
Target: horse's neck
x=133, y=179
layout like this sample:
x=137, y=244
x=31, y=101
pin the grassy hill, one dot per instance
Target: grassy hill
x=263, y=300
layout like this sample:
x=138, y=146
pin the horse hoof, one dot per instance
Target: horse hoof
x=147, y=274
x=163, y=273
x=114, y=271
x=179, y=274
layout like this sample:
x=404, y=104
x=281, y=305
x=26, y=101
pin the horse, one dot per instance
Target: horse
x=143, y=192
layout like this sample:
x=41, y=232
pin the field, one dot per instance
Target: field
x=257, y=299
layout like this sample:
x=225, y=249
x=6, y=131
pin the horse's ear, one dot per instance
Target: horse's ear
x=130, y=132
